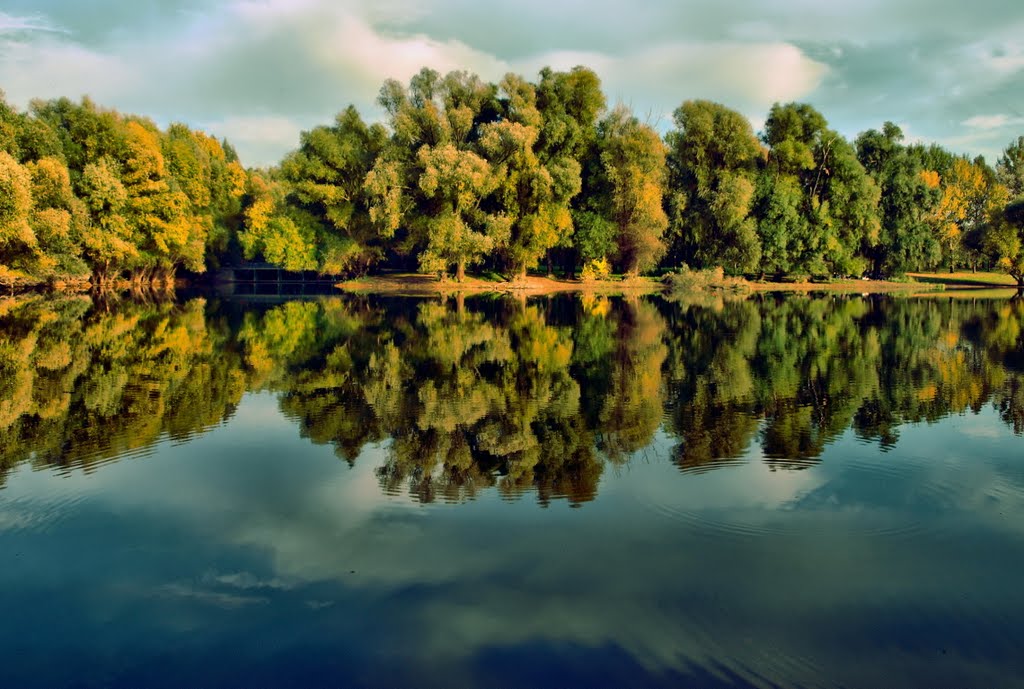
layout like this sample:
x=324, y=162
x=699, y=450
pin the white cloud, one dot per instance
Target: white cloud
x=253, y=70
x=51, y=67
x=657, y=79
x=992, y=121
x=259, y=70
x=263, y=138
x=12, y=24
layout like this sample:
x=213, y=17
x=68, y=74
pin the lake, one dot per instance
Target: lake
x=500, y=492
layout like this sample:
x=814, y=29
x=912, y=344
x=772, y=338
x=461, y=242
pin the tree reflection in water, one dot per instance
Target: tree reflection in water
x=499, y=393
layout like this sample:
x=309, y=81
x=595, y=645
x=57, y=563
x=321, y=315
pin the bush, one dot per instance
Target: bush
x=596, y=269
x=709, y=279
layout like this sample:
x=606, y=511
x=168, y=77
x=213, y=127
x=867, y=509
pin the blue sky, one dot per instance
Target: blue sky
x=260, y=71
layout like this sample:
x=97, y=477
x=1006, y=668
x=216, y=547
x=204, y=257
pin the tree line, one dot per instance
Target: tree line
x=502, y=177
x=89, y=193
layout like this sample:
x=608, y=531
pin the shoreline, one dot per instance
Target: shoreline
x=414, y=284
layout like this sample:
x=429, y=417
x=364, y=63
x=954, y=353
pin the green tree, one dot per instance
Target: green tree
x=1005, y=240
x=908, y=192
x=633, y=160
x=426, y=186
x=713, y=162
x=274, y=230
x=327, y=175
x=571, y=104
x=18, y=244
x=536, y=180
x=838, y=213
x=460, y=233
x=107, y=239
x=87, y=133
x=1010, y=168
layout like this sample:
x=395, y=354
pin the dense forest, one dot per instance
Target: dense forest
x=507, y=177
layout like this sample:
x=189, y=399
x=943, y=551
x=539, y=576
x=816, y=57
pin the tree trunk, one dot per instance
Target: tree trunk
x=460, y=271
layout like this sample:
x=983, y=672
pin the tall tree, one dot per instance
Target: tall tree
x=1004, y=240
x=536, y=177
x=713, y=161
x=58, y=218
x=428, y=182
x=108, y=243
x=962, y=208
x=18, y=245
x=274, y=230
x=459, y=232
x=633, y=161
x=571, y=104
x=160, y=219
x=327, y=174
x=908, y=192
x=838, y=211
x=1010, y=167
x=200, y=166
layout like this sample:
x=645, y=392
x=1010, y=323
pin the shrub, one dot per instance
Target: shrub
x=596, y=269
x=709, y=279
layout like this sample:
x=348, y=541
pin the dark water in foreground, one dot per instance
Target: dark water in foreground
x=563, y=492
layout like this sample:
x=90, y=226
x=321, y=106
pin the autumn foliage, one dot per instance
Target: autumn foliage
x=508, y=177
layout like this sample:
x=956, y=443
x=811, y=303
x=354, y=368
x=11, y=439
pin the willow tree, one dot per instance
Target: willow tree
x=713, y=162
x=327, y=175
x=1010, y=168
x=58, y=218
x=571, y=104
x=535, y=181
x=1004, y=240
x=634, y=172
x=426, y=187
x=18, y=245
x=909, y=192
x=837, y=216
x=460, y=233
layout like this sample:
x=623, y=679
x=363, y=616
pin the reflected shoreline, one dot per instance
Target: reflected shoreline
x=524, y=396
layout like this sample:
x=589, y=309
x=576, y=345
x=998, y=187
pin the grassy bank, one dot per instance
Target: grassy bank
x=965, y=279
x=415, y=284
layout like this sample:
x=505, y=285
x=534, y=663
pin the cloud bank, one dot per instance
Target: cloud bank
x=259, y=71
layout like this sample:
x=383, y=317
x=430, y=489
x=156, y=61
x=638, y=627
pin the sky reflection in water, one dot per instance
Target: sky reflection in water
x=788, y=492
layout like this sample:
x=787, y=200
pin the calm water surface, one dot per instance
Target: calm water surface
x=366, y=492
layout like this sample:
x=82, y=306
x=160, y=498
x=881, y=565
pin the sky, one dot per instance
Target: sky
x=258, y=72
